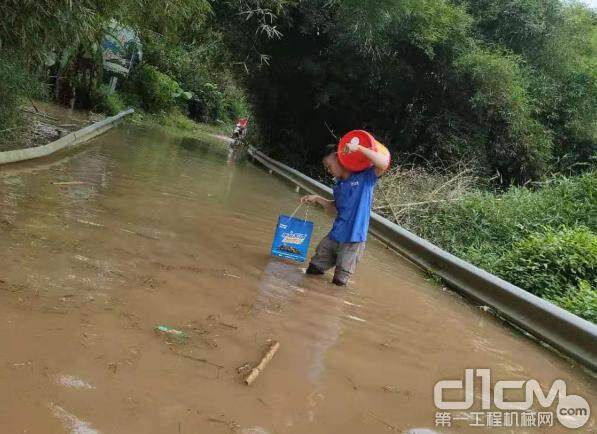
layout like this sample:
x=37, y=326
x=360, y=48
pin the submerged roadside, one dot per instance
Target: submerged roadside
x=43, y=122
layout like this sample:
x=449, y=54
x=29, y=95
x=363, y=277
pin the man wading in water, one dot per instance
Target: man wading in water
x=344, y=246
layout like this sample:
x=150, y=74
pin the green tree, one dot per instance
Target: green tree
x=507, y=84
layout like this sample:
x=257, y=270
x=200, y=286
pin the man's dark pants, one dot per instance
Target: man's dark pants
x=344, y=256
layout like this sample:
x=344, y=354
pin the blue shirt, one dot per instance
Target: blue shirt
x=354, y=197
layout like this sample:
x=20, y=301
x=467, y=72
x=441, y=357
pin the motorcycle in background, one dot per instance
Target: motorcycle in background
x=238, y=135
x=240, y=130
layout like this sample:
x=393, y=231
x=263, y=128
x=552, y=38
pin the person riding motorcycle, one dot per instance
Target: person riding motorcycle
x=240, y=130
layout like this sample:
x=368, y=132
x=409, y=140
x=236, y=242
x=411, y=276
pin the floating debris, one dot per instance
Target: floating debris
x=70, y=183
x=151, y=237
x=170, y=331
x=85, y=222
x=243, y=368
x=264, y=361
x=196, y=359
x=230, y=326
x=176, y=335
x=232, y=275
x=388, y=426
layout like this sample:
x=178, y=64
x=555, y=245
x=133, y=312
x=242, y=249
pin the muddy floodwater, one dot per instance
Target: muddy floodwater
x=142, y=228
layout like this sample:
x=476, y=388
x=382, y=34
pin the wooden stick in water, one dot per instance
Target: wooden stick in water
x=264, y=361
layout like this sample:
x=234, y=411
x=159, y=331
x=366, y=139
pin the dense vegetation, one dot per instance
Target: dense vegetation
x=508, y=84
x=53, y=49
x=505, y=88
x=544, y=241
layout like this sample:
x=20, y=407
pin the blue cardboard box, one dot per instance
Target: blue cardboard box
x=292, y=238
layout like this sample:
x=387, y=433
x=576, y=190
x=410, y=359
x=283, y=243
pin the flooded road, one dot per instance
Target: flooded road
x=142, y=228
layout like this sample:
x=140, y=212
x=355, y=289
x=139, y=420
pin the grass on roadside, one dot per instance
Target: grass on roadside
x=542, y=240
x=176, y=121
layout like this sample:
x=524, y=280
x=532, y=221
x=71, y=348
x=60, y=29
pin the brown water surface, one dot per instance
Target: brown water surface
x=142, y=228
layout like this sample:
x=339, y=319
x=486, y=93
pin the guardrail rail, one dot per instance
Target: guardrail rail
x=69, y=140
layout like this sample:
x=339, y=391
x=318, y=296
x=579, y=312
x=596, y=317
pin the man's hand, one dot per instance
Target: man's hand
x=352, y=147
x=311, y=198
x=328, y=205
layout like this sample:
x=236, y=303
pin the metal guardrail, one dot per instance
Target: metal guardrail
x=564, y=331
x=71, y=139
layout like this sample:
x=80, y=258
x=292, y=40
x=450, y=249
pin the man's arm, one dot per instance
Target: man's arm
x=328, y=205
x=380, y=161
